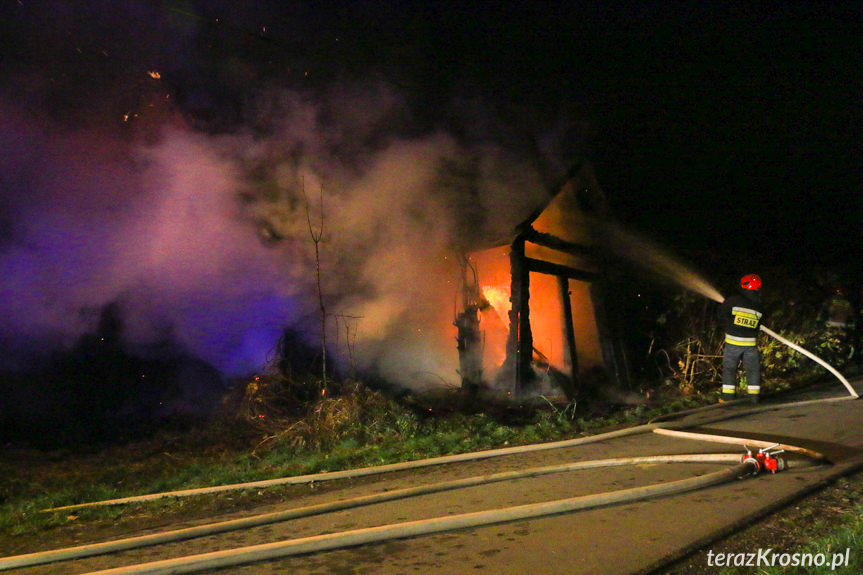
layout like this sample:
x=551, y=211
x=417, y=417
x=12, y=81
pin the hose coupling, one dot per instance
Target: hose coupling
x=766, y=459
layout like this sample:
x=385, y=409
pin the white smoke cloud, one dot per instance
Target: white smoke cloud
x=156, y=229
x=114, y=189
x=157, y=224
x=393, y=220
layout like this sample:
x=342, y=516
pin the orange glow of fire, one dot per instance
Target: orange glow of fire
x=498, y=298
x=546, y=314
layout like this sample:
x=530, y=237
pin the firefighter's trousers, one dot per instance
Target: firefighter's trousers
x=750, y=358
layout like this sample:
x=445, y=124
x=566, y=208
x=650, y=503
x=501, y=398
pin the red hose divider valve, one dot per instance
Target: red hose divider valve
x=765, y=459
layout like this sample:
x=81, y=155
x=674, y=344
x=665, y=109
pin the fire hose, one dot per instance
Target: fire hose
x=751, y=464
x=813, y=357
x=319, y=543
x=747, y=465
x=744, y=466
x=852, y=393
x=365, y=471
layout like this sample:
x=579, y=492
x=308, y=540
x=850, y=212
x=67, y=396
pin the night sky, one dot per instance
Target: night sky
x=731, y=127
x=700, y=117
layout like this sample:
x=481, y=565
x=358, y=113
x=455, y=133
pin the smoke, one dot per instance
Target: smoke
x=394, y=211
x=156, y=229
x=123, y=196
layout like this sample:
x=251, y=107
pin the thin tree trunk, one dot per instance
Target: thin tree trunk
x=316, y=239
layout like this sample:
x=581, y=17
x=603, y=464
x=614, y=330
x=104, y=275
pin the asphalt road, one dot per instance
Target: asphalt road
x=621, y=539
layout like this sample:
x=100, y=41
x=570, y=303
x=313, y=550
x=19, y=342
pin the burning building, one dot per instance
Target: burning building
x=534, y=310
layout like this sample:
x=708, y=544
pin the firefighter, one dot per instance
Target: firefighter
x=837, y=316
x=837, y=312
x=741, y=315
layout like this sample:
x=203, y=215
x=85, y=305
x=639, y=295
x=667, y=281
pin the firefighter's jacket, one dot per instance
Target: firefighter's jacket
x=838, y=311
x=741, y=314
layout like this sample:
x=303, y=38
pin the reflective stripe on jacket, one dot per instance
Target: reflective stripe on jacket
x=740, y=340
x=741, y=315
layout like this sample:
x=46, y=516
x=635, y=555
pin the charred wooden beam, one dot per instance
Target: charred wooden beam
x=570, y=358
x=541, y=266
x=519, y=347
x=554, y=242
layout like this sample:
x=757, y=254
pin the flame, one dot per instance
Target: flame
x=498, y=298
x=546, y=314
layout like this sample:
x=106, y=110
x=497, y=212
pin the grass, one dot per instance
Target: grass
x=843, y=534
x=357, y=429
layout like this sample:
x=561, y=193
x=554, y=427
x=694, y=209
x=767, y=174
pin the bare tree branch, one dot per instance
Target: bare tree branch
x=316, y=239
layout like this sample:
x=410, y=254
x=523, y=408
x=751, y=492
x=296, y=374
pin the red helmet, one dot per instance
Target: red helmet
x=750, y=281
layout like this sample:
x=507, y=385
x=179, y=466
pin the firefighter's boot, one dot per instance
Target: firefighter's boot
x=754, y=392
